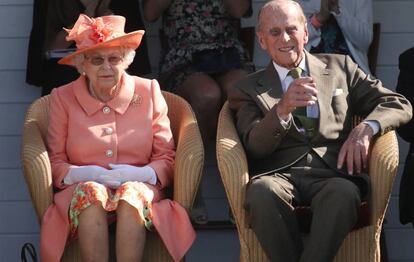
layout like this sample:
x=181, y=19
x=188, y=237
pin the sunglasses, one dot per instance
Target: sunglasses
x=99, y=60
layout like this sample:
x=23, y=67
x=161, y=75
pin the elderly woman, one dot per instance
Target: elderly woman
x=111, y=152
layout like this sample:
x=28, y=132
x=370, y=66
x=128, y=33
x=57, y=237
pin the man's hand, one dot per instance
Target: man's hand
x=301, y=92
x=355, y=149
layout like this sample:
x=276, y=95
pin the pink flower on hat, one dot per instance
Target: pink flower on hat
x=100, y=32
x=89, y=31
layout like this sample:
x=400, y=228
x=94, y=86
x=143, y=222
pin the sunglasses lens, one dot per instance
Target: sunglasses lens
x=114, y=60
x=99, y=60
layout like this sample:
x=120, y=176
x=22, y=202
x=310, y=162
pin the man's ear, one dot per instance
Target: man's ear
x=306, y=36
x=260, y=38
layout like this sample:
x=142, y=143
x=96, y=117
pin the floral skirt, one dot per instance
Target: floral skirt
x=137, y=194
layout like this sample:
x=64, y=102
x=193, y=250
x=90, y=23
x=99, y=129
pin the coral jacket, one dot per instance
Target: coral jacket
x=132, y=128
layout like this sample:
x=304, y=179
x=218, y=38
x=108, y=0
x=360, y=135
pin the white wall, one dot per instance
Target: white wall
x=17, y=219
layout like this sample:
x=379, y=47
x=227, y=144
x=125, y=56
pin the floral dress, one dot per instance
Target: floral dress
x=136, y=194
x=191, y=26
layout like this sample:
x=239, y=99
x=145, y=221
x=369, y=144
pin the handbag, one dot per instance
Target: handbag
x=216, y=60
x=28, y=253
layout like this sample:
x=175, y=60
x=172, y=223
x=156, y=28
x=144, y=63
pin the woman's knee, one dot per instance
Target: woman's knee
x=201, y=91
x=229, y=79
x=95, y=212
x=124, y=209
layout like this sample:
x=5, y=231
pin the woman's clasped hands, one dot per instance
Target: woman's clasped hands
x=113, y=178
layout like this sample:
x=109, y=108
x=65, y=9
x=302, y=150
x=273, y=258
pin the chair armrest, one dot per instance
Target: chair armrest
x=232, y=163
x=188, y=167
x=36, y=168
x=189, y=156
x=383, y=165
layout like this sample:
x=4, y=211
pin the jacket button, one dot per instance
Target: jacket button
x=109, y=130
x=109, y=153
x=106, y=110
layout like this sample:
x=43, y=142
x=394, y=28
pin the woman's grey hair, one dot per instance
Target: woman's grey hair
x=274, y=5
x=127, y=53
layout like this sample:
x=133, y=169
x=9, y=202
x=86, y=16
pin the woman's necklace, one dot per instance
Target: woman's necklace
x=93, y=94
x=91, y=91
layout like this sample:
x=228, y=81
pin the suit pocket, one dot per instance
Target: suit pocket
x=340, y=106
x=337, y=92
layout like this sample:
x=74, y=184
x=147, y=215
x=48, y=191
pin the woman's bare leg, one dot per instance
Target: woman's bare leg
x=93, y=234
x=229, y=79
x=205, y=97
x=130, y=233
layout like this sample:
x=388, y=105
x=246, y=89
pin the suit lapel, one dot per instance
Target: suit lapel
x=269, y=91
x=269, y=87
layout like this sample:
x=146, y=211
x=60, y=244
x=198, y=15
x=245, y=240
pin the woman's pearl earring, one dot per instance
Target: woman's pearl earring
x=84, y=73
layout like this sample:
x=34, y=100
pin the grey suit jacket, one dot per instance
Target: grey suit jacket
x=344, y=90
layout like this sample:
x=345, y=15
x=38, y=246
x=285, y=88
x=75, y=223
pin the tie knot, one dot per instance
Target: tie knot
x=295, y=72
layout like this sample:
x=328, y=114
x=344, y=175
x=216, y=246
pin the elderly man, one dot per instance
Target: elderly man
x=295, y=121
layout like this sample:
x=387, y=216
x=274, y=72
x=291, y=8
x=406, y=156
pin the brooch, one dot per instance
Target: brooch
x=136, y=99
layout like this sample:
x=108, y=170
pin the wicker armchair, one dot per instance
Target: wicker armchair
x=188, y=166
x=361, y=245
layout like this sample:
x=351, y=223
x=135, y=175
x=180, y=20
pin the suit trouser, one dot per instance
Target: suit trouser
x=334, y=201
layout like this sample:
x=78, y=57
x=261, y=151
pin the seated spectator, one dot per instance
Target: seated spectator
x=47, y=39
x=111, y=151
x=203, y=59
x=340, y=27
x=405, y=86
x=294, y=119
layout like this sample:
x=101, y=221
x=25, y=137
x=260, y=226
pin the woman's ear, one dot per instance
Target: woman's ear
x=81, y=69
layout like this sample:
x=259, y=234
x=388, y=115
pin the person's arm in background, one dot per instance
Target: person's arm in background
x=92, y=8
x=405, y=86
x=354, y=17
x=153, y=9
x=237, y=8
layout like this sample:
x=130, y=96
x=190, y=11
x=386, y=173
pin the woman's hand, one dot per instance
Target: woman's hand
x=95, y=8
x=153, y=9
x=237, y=8
x=324, y=12
x=133, y=173
x=90, y=7
x=103, y=8
x=95, y=173
x=333, y=6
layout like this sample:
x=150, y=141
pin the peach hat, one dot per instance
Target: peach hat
x=100, y=32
